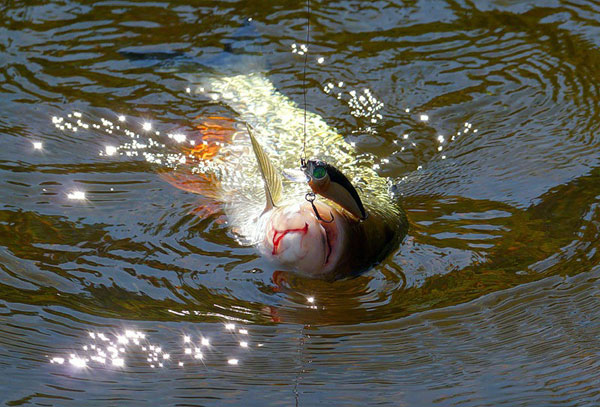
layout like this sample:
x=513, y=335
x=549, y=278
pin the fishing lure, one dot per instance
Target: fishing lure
x=327, y=181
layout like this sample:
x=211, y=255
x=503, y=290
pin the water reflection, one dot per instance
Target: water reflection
x=130, y=348
x=491, y=300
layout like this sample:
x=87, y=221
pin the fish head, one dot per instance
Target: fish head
x=296, y=238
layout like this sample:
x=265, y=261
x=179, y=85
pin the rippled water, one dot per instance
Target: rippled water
x=491, y=299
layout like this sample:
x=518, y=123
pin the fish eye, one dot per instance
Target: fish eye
x=319, y=172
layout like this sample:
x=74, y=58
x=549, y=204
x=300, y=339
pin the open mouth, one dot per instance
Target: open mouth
x=328, y=246
x=328, y=237
x=278, y=235
x=329, y=240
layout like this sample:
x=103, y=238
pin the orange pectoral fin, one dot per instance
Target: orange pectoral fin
x=214, y=132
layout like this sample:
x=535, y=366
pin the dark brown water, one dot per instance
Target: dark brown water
x=491, y=300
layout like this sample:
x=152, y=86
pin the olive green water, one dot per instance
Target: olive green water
x=492, y=299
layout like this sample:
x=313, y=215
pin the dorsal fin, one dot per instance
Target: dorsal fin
x=270, y=176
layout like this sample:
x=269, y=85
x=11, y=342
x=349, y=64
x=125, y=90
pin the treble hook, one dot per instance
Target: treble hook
x=310, y=197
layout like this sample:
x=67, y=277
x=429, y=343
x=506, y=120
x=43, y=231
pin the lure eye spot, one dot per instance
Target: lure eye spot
x=319, y=172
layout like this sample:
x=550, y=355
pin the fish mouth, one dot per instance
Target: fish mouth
x=298, y=238
x=329, y=240
x=278, y=236
x=328, y=236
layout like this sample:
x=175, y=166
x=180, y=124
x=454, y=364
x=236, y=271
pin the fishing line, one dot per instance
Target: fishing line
x=303, y=158
x=310, y=197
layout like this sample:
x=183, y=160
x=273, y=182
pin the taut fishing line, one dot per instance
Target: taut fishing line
x=303, y=158
x=308, y=197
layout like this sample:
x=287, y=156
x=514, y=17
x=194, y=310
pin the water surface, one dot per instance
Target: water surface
x=491, y=299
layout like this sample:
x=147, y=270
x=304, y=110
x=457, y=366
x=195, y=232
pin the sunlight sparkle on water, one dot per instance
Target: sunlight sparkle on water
x=424, y=118
x=110, y=150
x=37, y=145
x=76, y=195
x=311, y=299
x=303, y=49
x=112, y=349
x=365, y=105
x=147, y=126
x=129, y=333
x=77, y=361
x=178, y=137
x=321, y=60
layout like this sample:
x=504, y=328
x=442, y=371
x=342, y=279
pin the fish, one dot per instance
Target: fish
x=333, y=218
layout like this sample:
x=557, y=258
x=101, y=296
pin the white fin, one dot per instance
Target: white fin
x=270, y=176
